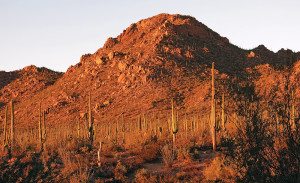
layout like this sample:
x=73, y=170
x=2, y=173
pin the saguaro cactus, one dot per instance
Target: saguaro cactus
x=85, y=125
x=223, y=112
x=123, y=129
x=213, y=109
x=4, y=128
x=99, y=153
x=78, y=128
x=169, y=127
x=145, y=122
x=116, y=131
x=90, y=120
x=185, y=125
x=194, y=124
x=292, y=112
x=12, y=127
x=174, y=123
x=109, y=131
x=155, y=129
x=44, y=126
x=40, y=127
x=140, y=123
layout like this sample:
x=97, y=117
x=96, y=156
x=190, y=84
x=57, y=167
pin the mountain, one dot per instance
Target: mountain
x=25, y=83
x=138, y=72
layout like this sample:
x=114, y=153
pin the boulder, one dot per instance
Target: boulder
x=251, y=54
x=111, y=55
x=106, y=103
x=122, y=66
x=100, y=60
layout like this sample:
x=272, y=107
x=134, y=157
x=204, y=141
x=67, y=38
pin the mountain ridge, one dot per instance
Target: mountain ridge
x=139, y=71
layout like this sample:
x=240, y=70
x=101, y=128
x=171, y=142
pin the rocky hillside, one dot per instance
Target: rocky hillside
x=152, y=61
x=25, y=83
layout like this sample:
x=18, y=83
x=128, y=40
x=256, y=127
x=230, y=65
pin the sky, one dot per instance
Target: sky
x=55, y=33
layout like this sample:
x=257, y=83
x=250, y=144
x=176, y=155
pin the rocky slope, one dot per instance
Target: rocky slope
x=25, y=83
x=152, y=61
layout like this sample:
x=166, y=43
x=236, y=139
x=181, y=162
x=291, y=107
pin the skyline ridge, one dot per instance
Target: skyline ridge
x=55, y=34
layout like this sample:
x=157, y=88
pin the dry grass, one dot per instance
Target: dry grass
x=218, y=171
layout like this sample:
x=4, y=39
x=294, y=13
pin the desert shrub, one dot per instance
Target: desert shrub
x=53, y=165
x=168, y=155
x=255, y=153
x=23, y=167
x=184, y=154
x=150, y=150
x=115, y=147
x=81, y=145
x=76, y=162
x=30, y=167
x=120, y=172
x=82, y=176
x=219, y=171
x=143, y=176
x=182, y=176
x=104, y=171
x=196, y=152
x=250, y=149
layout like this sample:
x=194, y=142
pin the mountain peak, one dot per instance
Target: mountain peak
x=155, y=59
x=176, y=39
x=150, y=32
x=261, y=48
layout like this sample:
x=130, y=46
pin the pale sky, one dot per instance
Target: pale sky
x=55, y=33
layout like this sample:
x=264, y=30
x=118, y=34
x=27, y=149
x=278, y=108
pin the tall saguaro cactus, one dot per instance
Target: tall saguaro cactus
x=40, y=128
x=12, y=127
x=109, y=131
x=185, y=125
x=223, y=112
x=213, y=109
x=123, y=129
x=44, y=126
x=99, y=153
x=4, y=128
x=90, y=119
x=140, y=123
x=116, y=131
x=174, y=123
x=78, y=128
x=292, y=112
